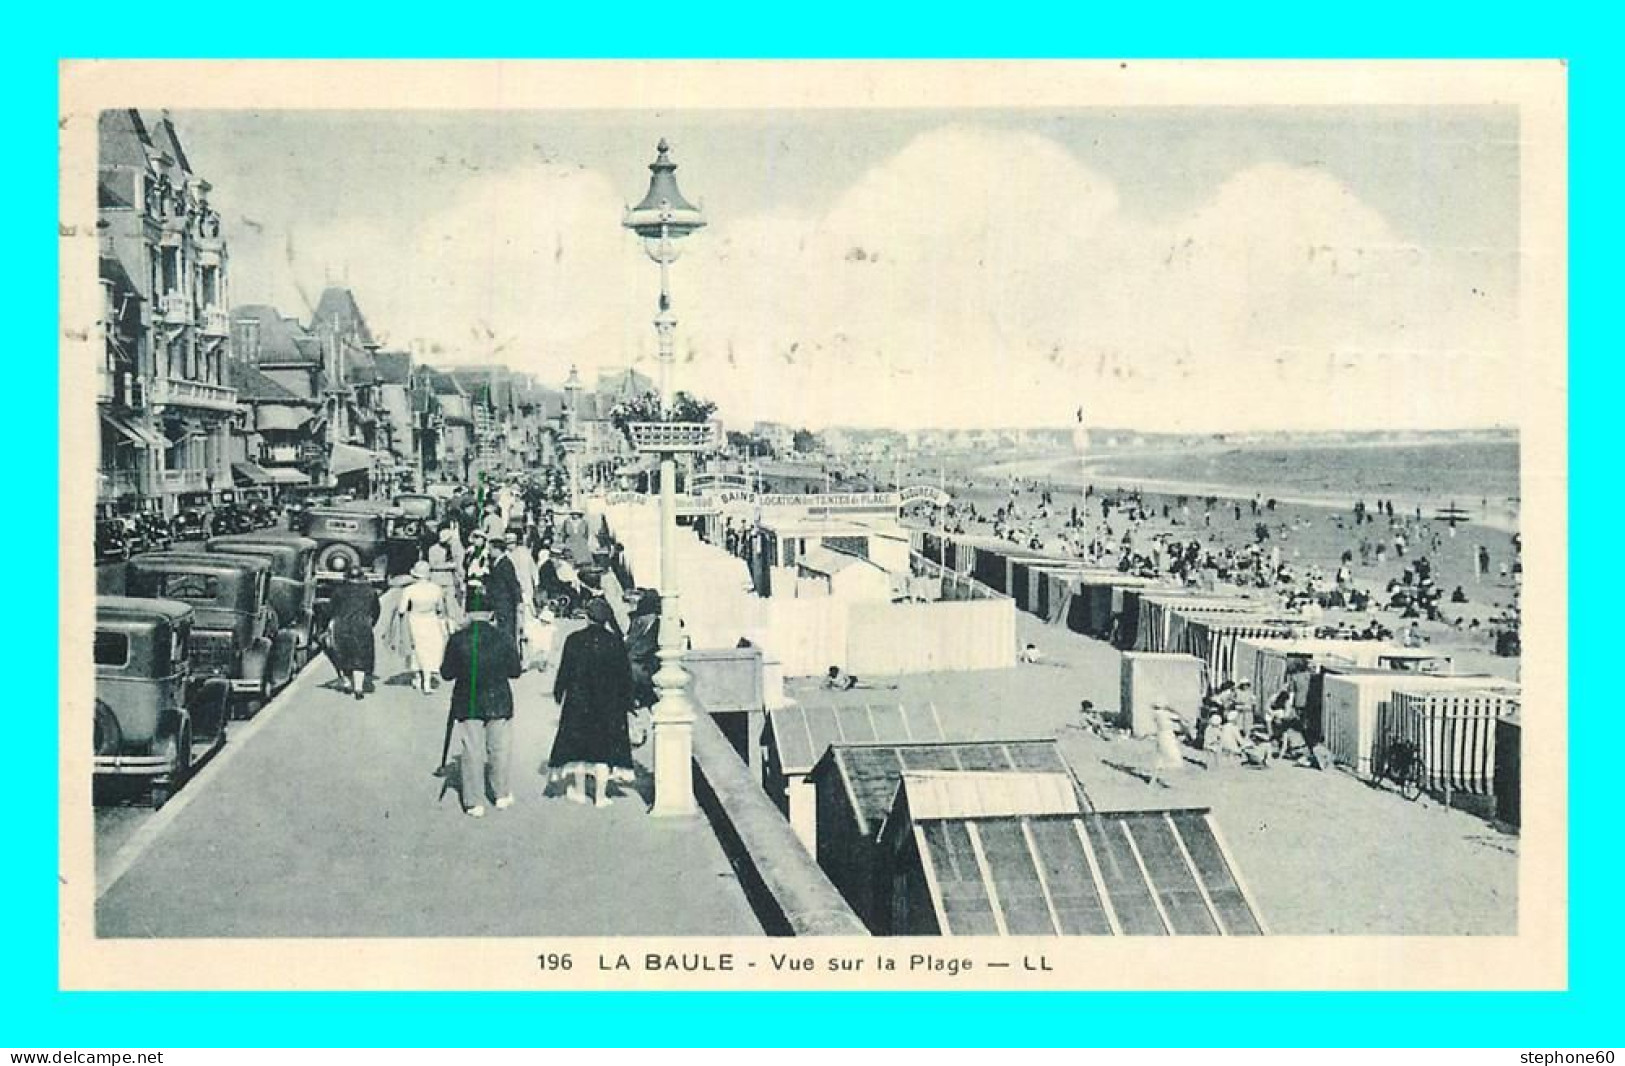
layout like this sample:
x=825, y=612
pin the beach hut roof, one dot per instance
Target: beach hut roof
x=870, y=773
x=802, y=733
x=984, y=794
x=1155, y=872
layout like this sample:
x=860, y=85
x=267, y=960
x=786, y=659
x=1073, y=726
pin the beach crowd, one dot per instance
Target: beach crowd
x=1374, y=566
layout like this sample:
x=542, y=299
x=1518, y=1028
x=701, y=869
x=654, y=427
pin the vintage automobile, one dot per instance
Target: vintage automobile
x=292, y=583
x=190, y=523
x=152, y=532
x=230, y=518
x=153, y=717
x=347, y=540
x=300, y=505
x=417, y=505
x=112, y=540
x=261, y=515
x=411, y=524
x=236, y=635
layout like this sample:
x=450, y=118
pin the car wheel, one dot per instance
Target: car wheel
x=169, y=748
x=109, y=737
x=337, y=557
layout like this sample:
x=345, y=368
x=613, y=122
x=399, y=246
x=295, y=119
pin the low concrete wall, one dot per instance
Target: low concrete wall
x=789, y=892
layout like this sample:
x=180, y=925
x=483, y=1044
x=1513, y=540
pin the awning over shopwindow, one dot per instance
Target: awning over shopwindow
x=250, y=474
x=280, y=417
x=347, y=459
x=135, y=433
x=284, y=475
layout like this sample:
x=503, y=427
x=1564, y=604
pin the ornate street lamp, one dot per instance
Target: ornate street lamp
x=572, y=440
x=660, y=219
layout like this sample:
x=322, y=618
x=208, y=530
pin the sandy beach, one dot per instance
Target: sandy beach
x=1311, y=532
x=1322, y=852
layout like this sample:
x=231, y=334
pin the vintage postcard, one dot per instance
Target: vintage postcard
x=813, y=525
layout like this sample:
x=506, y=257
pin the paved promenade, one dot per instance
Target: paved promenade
x=328, y=821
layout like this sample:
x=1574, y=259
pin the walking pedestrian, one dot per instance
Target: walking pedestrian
x=479, y=661
x=593, y=688
x=504, y=594
x=354, y=611
x=443, y=571
x=476, y=569
x=1169, y=754
x=422, y=607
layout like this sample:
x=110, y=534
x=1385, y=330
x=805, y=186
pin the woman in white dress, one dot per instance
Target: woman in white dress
x=423, y=605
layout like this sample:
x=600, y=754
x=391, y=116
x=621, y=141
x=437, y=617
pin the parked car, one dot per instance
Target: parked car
x=112, y=540
x=292, y=582
x=236, y=635
x=261, y=515
x=153, y=717
x=152, y=532
x=349, y=540
x=230, y=519
x=300, y=506
x=190, y=523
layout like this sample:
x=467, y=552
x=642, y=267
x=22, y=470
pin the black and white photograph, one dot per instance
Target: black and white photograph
x=549, y=525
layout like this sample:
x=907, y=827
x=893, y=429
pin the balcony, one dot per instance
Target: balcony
x=216, y=323
x=111, y=484
x=172, y=308
x=184, y=480
x=174, y=392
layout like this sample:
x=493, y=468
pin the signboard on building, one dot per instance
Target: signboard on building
x=923, y=494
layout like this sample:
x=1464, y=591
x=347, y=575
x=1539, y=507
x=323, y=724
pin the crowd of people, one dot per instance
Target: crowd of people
x=1369, y=560
x=482, y=604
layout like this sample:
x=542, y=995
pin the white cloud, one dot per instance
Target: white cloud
x=978, y=277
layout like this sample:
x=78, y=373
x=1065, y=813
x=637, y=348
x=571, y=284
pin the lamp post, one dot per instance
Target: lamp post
x=661, y=218
x=572, y=435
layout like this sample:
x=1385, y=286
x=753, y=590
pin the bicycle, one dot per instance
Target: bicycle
x=1401, y=763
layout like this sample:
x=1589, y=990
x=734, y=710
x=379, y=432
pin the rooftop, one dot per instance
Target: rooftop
x=1156, y=873
x=337, y=309
x=872, y=772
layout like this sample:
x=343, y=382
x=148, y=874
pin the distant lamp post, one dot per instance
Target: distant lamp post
x=662, y=218
x=572, y=435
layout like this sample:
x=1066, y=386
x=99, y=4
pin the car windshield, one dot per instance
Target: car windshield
x=196, y=587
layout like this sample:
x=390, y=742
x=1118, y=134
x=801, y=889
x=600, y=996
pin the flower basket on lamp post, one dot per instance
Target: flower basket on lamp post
x=674, y=437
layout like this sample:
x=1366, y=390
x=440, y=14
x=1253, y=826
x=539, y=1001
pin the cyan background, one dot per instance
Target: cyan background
x=33, y=1013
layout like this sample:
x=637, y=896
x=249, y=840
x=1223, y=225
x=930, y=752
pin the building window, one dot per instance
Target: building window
x=247, y=338
x=170, y=261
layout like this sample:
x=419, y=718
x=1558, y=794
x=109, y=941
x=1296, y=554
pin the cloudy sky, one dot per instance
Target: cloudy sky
x=1198, y=269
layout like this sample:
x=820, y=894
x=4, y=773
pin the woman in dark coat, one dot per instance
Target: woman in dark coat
x=354, y=611
x=593, y=689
